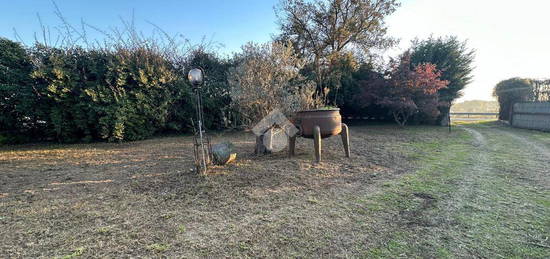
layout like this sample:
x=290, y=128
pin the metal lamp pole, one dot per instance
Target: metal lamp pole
x=202, y=150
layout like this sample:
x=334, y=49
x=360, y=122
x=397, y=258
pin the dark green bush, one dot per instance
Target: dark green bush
x=123, y=92
x=511, y=91
x=454, y=59
x=113, y=95
x=216, y=99
x=17, y=99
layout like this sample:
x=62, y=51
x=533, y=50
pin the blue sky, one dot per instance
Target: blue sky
x=231, y=23
x=510, y=36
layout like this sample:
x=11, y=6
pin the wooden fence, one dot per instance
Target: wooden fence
x=531, y=115
x=473, y=116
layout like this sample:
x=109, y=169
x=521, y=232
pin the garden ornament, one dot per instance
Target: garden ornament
x=319, y=124
x=202, y=149
x=223, y=153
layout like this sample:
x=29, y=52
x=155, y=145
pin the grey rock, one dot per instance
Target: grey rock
x=223, y=153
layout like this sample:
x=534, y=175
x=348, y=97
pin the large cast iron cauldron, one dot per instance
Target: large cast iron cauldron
x=328, y=120
x=318, y=124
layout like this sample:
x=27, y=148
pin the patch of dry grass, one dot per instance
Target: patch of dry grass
x=141, y=199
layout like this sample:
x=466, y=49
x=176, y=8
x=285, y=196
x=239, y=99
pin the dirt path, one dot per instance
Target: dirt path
x=495, y=141
x=506, y=180
x=482, y=193
x=520, y=142
x=466, y=191
x=529, y=144
x=479, y=138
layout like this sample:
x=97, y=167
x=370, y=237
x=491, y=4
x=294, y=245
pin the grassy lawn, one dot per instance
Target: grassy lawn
x=481, y=197
x=480, y=191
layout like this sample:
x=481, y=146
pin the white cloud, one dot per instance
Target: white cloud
x=511, y=38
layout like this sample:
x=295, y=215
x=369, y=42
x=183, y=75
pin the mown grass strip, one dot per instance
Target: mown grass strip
x=460, y=203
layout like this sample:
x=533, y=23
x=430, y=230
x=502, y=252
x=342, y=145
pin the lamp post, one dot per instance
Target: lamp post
x=195, y=77
x=202, y=150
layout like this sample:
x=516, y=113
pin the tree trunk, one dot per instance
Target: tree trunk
x=319, y=90
x=400, y=118
x=443, y=119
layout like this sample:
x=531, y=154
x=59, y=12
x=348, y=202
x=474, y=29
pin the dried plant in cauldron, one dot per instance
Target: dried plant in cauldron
x=268, y=78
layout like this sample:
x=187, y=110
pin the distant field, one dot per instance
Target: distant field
x=475, y=106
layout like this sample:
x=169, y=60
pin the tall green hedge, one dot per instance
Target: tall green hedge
x=511, y=91
x=18, y=114
x=114, y=94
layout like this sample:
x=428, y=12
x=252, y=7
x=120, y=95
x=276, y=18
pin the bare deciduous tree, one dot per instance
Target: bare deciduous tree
x=321, y=29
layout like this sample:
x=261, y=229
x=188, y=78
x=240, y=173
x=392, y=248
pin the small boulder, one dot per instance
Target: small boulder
x=223, y=153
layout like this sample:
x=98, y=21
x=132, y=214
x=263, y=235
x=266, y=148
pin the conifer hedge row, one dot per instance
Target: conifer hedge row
x=112, y=94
